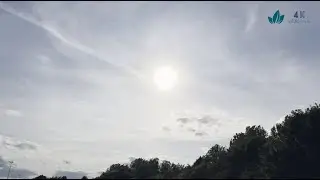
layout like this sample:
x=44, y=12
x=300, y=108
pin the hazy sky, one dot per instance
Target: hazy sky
x=76, y=79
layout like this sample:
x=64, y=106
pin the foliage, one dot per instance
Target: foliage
x=291, y=150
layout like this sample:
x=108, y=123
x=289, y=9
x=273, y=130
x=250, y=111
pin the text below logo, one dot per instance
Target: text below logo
x=299, y=17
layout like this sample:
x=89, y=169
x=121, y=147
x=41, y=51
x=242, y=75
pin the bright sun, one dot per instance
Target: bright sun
x=165, y=78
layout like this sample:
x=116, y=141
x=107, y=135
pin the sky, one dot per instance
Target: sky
x=76, y=79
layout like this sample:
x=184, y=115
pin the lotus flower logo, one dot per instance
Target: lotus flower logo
x=277, y=18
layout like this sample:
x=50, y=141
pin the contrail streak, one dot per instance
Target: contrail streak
x=64, y=39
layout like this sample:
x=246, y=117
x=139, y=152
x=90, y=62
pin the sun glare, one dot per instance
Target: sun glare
x=165, y=78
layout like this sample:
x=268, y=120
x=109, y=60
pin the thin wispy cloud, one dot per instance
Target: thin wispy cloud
x=13, y=113
x=65, y=39
x=252, y=18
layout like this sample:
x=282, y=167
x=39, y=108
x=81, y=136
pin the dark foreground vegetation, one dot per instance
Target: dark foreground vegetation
x=291, y=150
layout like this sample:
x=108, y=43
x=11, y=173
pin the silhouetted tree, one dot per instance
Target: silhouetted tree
x=145, y=168
x=56, y=177
x=40, y=177
x=290, y=151
x=117, y=171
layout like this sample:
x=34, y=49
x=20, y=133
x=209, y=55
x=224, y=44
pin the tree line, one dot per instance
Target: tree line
x=290, y=150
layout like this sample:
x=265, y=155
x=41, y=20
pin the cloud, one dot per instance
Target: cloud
x=44, y=59
x=15, y=172
x=204, y=120
x=2, y=162
x=191, y=129
x=208, y=120
x=204, y=124
x=184, y=120
x=14, y=143
x=71, y=174
x=67, y=162
x=13, y=113
x=25, y=146
x=166, y=128
x=200, y=134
